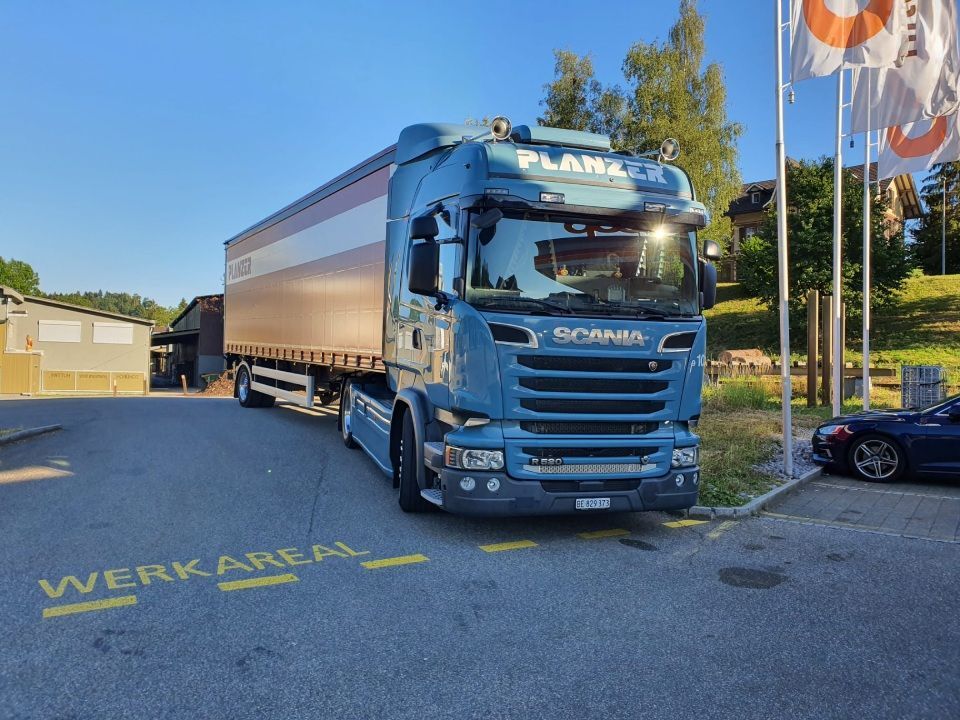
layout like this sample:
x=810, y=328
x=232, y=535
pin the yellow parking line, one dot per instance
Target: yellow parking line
x=89, y=606
x=721, y=529
x=684, y=523
x=516, y=545
x=596, y=534
x=391, y=562
x=257, y=582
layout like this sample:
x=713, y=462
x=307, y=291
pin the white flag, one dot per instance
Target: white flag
x=924, y=83
x=918, y=146
x=825, y=41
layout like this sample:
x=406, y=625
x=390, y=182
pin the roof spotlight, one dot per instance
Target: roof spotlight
x=501, y=128
x=669, y=150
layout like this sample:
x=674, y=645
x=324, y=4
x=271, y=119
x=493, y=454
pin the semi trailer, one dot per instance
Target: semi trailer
x=511, y=318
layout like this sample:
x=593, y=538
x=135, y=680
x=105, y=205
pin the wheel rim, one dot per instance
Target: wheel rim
x=346, y=401
x=876, y=459
x=243, y=390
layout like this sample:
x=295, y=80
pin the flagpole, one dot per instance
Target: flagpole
x=837, y=241
x=786, y=391
x=866, y=253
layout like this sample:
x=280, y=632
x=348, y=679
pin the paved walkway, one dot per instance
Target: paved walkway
x=929, y=511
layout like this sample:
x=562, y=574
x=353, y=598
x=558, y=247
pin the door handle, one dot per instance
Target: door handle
x=417, y=338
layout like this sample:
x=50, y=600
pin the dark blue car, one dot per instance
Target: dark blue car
x=885, y=445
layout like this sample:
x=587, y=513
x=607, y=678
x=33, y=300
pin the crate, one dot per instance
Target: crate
x=922, y=385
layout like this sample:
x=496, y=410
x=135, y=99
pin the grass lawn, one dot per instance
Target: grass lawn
x=921, y=328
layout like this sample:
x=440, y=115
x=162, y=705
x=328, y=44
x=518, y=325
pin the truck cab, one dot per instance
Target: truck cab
x=543, y=337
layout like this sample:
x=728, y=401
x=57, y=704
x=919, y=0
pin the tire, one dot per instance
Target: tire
x=411, y=500
x=346, y=401
x=248, y=397
x=877, y=458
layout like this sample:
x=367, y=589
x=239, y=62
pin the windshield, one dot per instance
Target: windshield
x=558, y=264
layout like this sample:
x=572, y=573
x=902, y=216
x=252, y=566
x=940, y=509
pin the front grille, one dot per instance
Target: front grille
x=594, y=407
x=593, y=364
x=562, y=486
x=590, y=468
x=588, y=452
x=587, y=428
x=592, y=385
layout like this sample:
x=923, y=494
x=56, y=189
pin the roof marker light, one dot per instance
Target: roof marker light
x=550, y=197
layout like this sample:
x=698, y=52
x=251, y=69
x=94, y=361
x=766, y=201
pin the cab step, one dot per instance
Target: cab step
x=433, y=495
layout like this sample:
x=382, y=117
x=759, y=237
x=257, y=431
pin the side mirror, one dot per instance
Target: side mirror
x=708, y=284
x=424, y=268
x=424, y=227
x=711, y=250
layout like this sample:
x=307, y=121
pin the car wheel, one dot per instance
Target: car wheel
x=876, y=458
x=411, y=500
x=346, y=404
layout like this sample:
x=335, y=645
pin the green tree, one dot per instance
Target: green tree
x=20, y=276
x=668, y=93
x=122, y=302
x=810, y=238
x=928, y=233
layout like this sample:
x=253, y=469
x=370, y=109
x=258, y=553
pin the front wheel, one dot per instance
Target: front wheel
x=411, y=500
x=875, y=458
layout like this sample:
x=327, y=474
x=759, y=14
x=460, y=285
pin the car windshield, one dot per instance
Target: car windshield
x=560, y=264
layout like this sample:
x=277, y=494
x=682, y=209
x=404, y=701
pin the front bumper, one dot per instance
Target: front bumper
x=532, y=497
x=828, y=452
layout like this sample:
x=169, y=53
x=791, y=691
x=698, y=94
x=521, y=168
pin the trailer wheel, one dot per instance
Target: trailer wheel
x=343, y=420
x=411, y=500
x=248, y=397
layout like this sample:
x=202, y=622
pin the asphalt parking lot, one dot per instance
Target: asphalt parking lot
x=183, y=558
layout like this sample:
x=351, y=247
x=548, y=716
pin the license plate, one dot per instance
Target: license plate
x=593, y=503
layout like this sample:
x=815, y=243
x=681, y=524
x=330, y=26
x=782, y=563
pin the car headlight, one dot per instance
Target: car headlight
x=685, y=457
x=830, y=429
x=465, y=459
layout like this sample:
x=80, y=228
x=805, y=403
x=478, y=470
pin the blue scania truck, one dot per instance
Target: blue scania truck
x=511, y=319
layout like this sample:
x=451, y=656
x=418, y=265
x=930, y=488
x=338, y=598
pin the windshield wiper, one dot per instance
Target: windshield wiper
x=641, y=311
x=493, y=302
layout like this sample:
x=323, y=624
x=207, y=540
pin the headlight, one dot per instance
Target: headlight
x=472, y=459
x=685, y=457
x=830, y=429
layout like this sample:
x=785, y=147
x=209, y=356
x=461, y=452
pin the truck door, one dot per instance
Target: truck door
x=422, y=331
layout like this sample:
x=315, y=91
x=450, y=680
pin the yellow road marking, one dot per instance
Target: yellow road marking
x=596, y=534
x=516, y=545
x=257, y=582
x=721, y=529
x=684, y=523
x=391, y=562
x=89, y=606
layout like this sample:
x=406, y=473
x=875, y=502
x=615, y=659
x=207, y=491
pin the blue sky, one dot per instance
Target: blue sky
x=135, y=138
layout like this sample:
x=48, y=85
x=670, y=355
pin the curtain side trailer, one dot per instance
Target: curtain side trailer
x=512, y=322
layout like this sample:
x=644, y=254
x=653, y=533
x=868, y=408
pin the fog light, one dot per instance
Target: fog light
x=696, y=478
x=679, y=479
x=493, y=485
x=468, y=484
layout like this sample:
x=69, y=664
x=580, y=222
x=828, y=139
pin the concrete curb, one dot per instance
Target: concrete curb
x=29, y=432
x=758, y=503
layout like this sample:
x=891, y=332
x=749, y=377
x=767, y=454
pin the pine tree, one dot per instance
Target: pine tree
x=928, y=234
